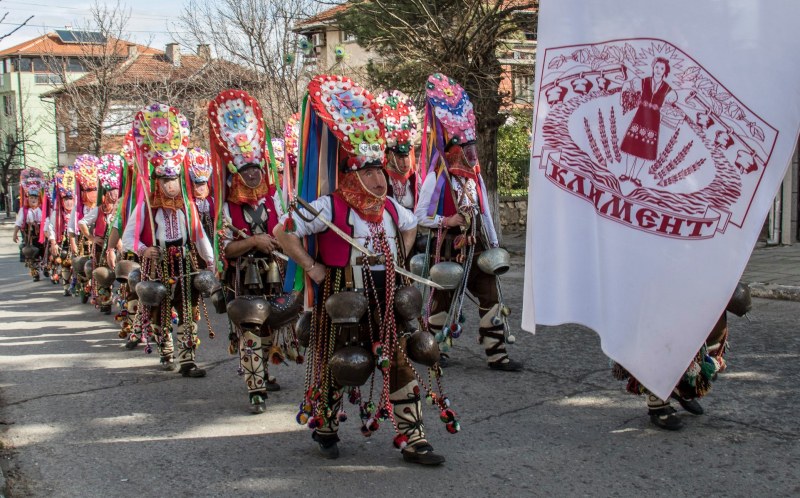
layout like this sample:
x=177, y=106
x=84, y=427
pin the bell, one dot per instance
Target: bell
x=66, y=262
x=204, y=282
x=88, y=268
x=273, y=275
x=251, y=277
x=134, y=277
x=417, y=264
x=447, y=274
x=741, y=302
x=248, y=312
x=103, y=276
x=351, y=366
x=346, y=307
x=30, y=252
x=63, y=254
x=421, y=347
x=303, y=329
x=408, y=302
x=494, y=261
x=123, y=268
x=151, y=293
x=78, y=264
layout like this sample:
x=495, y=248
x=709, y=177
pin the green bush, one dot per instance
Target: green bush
x=513, y=153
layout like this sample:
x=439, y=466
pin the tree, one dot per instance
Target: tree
x=258, y=35
x=15, y=28
x=460, y=38
x=15, y=146
x=102, y=52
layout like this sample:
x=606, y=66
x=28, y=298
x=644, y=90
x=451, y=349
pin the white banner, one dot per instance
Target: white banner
x=662, y=133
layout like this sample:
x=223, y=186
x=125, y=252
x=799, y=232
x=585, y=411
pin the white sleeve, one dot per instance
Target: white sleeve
x=19, y=223
x=486, y=217
x=305, y=228
x=203, y=246
x=129, y=234
x=226, y=237
x=425, y=194
x=405, y=218
x=72, y=223
x=90, y=218
x=51, y=226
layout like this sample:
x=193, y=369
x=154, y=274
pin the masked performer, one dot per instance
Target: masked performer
x=354, y=324
x=62, y=245
x=241, y=149
x=29, y=219
x=399, y=116
x=85, y=167
x=453, y=204
x=166, y=233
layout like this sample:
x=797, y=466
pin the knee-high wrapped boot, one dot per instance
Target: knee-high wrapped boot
x=494, y=343
x=166, y=350
x=251, y=359
x=186, y=353
x=407, y=410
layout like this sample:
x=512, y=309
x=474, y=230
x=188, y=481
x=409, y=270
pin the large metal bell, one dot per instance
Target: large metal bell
x=351, y=366
x=151, y=293
x=421, y=347
x=134, y=277
x=103, y=276
x=447, y=274
x=30, y=252
x=88, y=268
x=417, y=264
x=284, y=309
x=346, y=307
x=303, y=329
x=78, y=264
x=741, y=302
x=494, y=261
x=248, y=312
x=123, y=269
x=204, y=282
x=408, y=302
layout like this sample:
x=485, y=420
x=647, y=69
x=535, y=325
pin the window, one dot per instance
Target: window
x=73, y=124
x=347, y=37
x=75, y=65
x=40, y=65
x=118, y=120
x=9, y=143
x=523, y=88
x=47, y=79
x=8, y=105
x=23, y=65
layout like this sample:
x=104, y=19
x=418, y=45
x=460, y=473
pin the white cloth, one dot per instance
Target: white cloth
x=405, y=221
x=171, y=225
x=51, y=225
x=424, y=201
x=651, y=267
x=34, y=216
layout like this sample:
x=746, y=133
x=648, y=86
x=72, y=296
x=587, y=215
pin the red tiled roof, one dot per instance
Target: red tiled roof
x=51, y=44
x=324, y=16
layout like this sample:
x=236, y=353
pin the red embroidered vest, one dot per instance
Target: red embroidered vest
x=333, y=250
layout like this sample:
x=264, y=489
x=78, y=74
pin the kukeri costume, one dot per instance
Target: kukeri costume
x=702, y=371
x=400, y=120
x=171, y=224
x=260, y=315
x=453, y=186
x=59, y=230
x=86, y=175
x=362, y=311
x=29, y=219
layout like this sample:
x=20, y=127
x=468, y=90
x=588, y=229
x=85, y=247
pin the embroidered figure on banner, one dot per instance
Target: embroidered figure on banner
x=643, y=132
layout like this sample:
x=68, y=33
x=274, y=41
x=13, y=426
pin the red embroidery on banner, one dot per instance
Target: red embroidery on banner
x=644, y=133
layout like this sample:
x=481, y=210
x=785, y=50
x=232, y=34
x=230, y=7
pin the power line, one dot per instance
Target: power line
x=45, y=26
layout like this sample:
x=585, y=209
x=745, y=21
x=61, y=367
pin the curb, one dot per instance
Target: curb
x=775, y=291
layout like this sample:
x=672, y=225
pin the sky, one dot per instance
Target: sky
x=149, y=21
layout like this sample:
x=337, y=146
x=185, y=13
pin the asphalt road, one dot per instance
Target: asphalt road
x=82, y=416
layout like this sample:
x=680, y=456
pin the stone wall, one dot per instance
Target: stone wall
x=513, y=213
